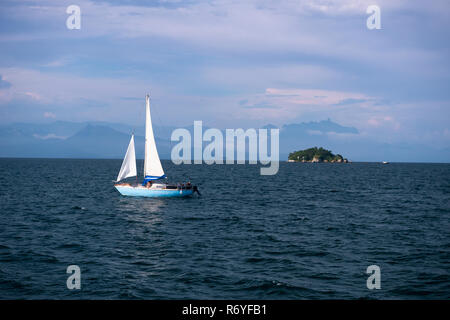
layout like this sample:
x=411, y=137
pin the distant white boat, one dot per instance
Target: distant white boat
x=153, y=170
x=385, y=162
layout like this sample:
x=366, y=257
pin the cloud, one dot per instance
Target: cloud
x=281, y=106
x=66, y=88
x=130, y=98
x=49, y=136
x=379, y=121
x=49, y=115
x=324, y=27
x=315, y=97
x=4, y=84
x=33, y=95
x=315, y=132
x=260, y=76
x=60, y=62
x=350, y=101
x=261, y=105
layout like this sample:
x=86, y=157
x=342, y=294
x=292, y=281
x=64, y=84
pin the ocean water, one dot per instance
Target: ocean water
x=309, y=232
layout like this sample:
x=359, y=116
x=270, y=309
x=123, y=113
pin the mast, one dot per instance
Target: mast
x=147, y=119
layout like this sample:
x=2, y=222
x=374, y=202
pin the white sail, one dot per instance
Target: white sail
x=128, y=168
x=152, y=164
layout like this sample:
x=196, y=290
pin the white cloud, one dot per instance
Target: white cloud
x=49, y=136
x=379, y=121
x=260, y=76
x=314, y=97
x=50, y=115
x=33, y=95
x=57, y=63
x=52, y=87
x=323, y=27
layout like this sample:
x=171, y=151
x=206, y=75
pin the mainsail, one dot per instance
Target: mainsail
x=152, y=165
x=128, y=168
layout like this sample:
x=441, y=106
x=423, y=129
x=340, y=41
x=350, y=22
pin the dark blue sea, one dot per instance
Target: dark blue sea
x=309, y=232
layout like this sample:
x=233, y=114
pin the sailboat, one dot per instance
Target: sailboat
x=153, y=170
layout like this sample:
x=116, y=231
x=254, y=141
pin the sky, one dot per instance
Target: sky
x=231, y=64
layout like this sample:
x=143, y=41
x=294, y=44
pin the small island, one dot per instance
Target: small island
x=315, y=155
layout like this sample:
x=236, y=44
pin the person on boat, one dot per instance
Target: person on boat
x=149, y=184
x=123, y=184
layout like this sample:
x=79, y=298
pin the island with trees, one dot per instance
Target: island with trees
x=315, y=155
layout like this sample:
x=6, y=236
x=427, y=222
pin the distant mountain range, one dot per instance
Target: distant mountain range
x=64, y=139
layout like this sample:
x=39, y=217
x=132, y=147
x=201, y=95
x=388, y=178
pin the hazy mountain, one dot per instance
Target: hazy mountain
x=91, y=141
x=347, y=142
x=321, y=126
x=64, y=139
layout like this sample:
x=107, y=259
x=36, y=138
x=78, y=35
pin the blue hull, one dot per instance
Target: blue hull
x=152, y=193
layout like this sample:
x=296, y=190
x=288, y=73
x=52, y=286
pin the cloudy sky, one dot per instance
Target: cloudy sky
x=231, y=64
